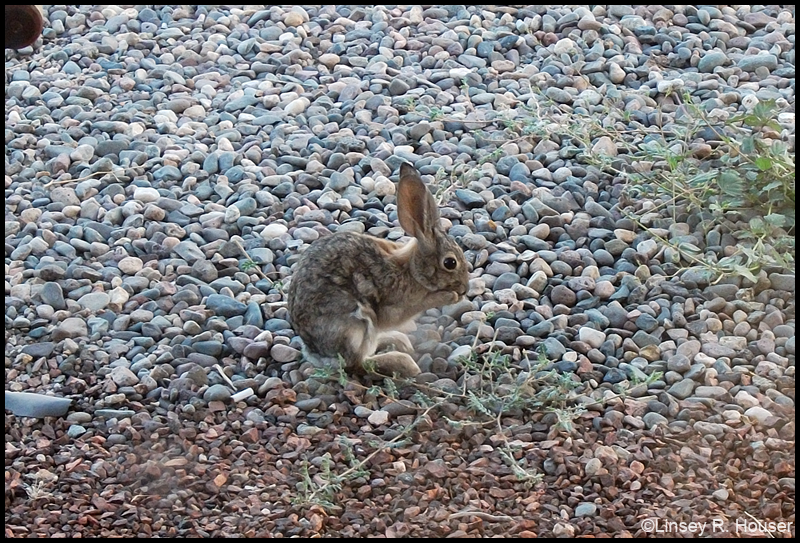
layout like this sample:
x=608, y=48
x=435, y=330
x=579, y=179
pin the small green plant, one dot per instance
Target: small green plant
x=247, y=265
x=749, y=170
x=651, y=378
x=309, y=488
x=741, y=183
x=492, y=157
x=764, y=243
x=332, y=372
x=446, y=183
x=527, y=475
x=499, y=387
x=36, y=490
x=40, y=487
x=757, y=169
x=435, y=113
x=493, y=388
x=279, y=285
x=321, y=488
x=744, y=186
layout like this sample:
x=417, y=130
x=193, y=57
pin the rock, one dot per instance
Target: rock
x=94, y=301
x=585, y=510
x=293, y=18
x=298, y=106
x=52, y=295
x=114, y=413
x=225, y=306
x=716, y=392
x=71, y=327
x=651, y=420
x=330, y=60
x=594, y=338
x=783, y=282
x=398, y=87
x=189, y=251
x=563, y=295
x=39, y=350
x=470, y=198
x=711, y=60
x=750, y=63
x=682, y=389
x=123, y=377
x=679, y=363
x=615, y=73
x=758, y=413
x=710, y=428
x=308, y=405
x=27, y=404
x=744, y=399
x=130, y=265
x=217, y=393
x=146, y=194
x=284, y=353
x=378, y=418
x=605, y=146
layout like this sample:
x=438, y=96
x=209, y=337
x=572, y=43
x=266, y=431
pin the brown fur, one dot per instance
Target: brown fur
x=350, y=292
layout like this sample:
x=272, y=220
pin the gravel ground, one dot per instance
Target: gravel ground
x=166, y=166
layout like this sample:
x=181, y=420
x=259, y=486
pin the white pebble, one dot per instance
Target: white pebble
x=146, y=194
x=298, y=106
x=274, y=230
x=378, y=418
x=130, y=265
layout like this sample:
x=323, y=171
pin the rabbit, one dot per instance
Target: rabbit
x=353, y=294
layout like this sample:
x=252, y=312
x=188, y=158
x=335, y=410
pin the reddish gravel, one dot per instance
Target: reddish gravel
x=214, y=474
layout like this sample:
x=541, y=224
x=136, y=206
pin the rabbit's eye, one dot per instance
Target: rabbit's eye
x=449, y=263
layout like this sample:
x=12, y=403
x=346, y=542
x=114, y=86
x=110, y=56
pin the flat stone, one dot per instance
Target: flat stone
x=284, y=353
x=594, y=338
x=217, y=393
x=585, y=510
x=682, y=389
x=751, y=63
x=71, y=327
x=123, y=376
x=28, y=404
x=783, y=282
x=711, y=60
x=225, y=306
x=39, y=350
x=94, y=301
x=758, y=413
x=146, y=194
x=52, y=295
x=378, y=418
x=130, y=265
x=716, y=392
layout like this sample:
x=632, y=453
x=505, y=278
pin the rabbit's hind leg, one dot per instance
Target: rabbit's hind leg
x=394, y=362
x=359, y=339
x=358, y=336
x=395, y=341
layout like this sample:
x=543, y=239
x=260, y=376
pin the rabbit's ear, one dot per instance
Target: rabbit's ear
x=416, y=207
